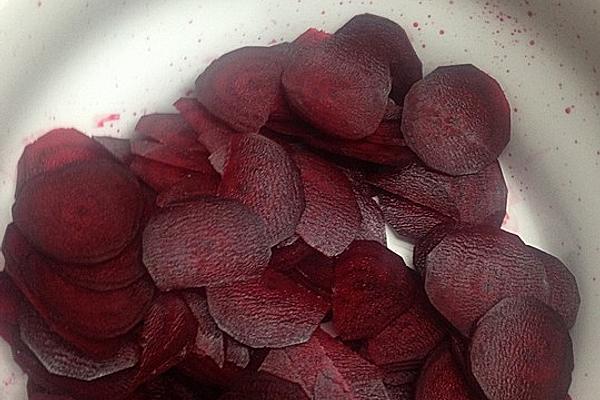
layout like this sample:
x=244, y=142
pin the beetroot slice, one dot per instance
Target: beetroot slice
x=442, y=379
x=409, y=220
x=70, y=310
x=188, y=189
x=54, y=150
x=272, y=311
x=236, y=353
x=331, y=218
x=472, y=269
x=192, y=160
x=119, y=148
x=428, y=243
x=223, y=241
x=289, y=253
x=372, y=287
x=10, y=300
x=254, y=160
x=372, y=226
x=168, y=129
x=338, y=88
x=388, y=42
x=265, y=387
x=83, y=213
x=387, y=133
x=521, y=349
x=61, y=358
x=327, y=369
x=162, y=177
x=315, y=272
x=211, y=132
x=242, y=87
x=457, y=120
x=564, y=294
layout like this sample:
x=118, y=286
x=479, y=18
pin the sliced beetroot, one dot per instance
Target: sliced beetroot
x=410, y=220
x=10, y=300
x=336, y=87
x=372, y=287
x=223, y=241
x=331, y=218
x=54, y=150
x=372, y=226
x=83, y=213
x=408, y=339
x=521, y=349
x=254, y=160
x=264, y=387
x=315, y=272
x=388, y=133
x=60, y=358
x=161, y=177
x=472, y=269
x=457, y=120
x=327, y=369
x=211, y=132
x=193, y=160
x=272, y=311
x=289, y=253
x=189, y=189
x=443, y=379
x=168, y=129
x=70, y=310
x=428, y=243
x=564, y=295
x=119, y=148
x=236, y=353
x=388, y=42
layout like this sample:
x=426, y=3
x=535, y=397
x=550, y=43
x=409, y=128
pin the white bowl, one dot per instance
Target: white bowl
x=75, y=63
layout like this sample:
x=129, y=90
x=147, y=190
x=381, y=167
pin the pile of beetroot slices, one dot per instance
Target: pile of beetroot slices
x=236, y=249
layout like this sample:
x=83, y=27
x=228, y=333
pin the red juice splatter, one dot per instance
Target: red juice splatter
x=416, y=24
x=568, y=110
x=108, y=118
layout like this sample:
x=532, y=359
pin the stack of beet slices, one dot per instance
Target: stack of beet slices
x=236, y=249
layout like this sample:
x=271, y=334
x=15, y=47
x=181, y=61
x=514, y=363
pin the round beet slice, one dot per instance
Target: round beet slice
x=521, y=349
x=205, y=242
x=260, y=174
x=193, y=160
x=472, y=269
x=209, y=340
x=457, y=120
x=83, y=213
x=428, y=243
x=189, y=188
x=272, y=311
x=119, y=148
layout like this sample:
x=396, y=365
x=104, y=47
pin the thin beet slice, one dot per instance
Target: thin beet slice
x=206, y=242
x=69, y=309
x=315, y=272
x=242, y=87
x=211, y=132
x=410, y=220
x=189, y=189
x=387, y=41
x=264, y=386
x=254, y=160
x=372, y=287
x=10, y=300
x=237, y=353
x=161, y=177
x=56, y=149
x=327, y=369
x=443, y=379
x=472, y=269
x=409, y=338
x=331, y=218
x=336, y=87
x=168, y=129
x=564, y=294
x=193, y=160
x=521, y=349
x=289, y=253
x=457, y=120
x=83, y=213
x=428, y=243
x=272, y=311
x=372, y=226
x=388, y=133
x=119, y=148
x=60, y=357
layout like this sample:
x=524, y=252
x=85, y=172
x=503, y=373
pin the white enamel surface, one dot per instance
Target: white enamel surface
x=71, y=63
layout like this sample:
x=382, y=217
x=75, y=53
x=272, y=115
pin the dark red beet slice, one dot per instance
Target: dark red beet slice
x=119, y=148
x=168, y=129
x=254, y=160
x=372, y=226
x=242, y=87
x=265, y=387
x=331, y=218
x=372, y=287
x=327, y=369
x=410, y=220
x=54, y=150
x=337, y=88
x=457, y=120
x=83, y=213
x=564, y=294
x=409, y=338
x=69, y=309
x=206, y=242
x=219, y=158
x=192, y=160
x=521, y=349
x=442, y=378
x=388, y=42
x=472, y=269
x=10, y=300
x=211, y=132
x=289, y=253
x=168, y=331
x=236, y=353
x=315, y=272
x=387, y=133
x=428, y=243
x=188, y=189
x=161, y=177
x=60, y=358
x=272, y=311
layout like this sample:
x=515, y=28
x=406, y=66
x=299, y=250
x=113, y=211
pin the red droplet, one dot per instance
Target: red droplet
x=568, y=110
x=442, y=32
x=108, y=118
x=416, y=24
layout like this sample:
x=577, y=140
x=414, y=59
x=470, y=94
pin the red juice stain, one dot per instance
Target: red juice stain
x=108, y=118
x=568, y=110
x=442, y=31
x=416, y=24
